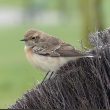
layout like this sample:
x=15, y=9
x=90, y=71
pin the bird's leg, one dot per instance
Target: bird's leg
x=45, y=77
x=51, y=74
x=48, y=75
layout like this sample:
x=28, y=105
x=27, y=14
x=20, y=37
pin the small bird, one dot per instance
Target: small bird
x=47, y=52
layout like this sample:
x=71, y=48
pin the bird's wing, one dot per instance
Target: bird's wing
x=61, y=50
x=66, y=50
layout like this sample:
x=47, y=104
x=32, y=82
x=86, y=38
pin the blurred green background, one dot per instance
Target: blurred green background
x=70, y=20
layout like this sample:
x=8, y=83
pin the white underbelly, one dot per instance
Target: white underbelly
x=49, y=63
x=46, y=63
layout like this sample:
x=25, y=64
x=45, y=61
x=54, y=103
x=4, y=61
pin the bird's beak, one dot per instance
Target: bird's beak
x=23, y=40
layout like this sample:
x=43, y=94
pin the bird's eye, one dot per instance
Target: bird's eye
x=33, y=37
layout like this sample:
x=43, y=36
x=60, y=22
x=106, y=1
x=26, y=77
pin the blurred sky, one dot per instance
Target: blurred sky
x=61, y=18
x=43, y=12
x=46, y=12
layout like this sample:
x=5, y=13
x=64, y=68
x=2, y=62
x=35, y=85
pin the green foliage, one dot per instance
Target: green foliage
x=11, y=2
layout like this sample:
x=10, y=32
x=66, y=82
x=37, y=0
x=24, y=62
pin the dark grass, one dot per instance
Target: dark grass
x=81, y=84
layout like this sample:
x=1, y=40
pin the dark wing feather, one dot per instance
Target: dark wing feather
x=64, y=50
x=67, y=50
x=54, y=47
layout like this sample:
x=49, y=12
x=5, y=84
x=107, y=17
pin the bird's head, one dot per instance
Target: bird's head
x=31, y=37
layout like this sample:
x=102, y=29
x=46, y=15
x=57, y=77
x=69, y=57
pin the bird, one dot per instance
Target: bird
x=47, y=52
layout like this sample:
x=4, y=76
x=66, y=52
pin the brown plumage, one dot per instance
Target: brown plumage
x=48, y=52
x=45, y=44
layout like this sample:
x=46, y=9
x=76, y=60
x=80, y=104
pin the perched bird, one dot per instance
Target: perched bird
x=47, y=52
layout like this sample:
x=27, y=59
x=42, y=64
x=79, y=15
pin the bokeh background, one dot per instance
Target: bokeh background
x=70, y=20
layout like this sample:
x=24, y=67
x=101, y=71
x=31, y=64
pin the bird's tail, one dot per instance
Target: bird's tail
x=90, y=54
